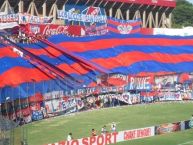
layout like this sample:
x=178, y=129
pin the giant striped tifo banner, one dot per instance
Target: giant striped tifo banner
x=127, y=54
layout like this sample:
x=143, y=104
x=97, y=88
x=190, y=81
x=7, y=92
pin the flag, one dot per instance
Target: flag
x=124, y=26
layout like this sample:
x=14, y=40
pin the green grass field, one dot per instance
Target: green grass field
x=128, y=117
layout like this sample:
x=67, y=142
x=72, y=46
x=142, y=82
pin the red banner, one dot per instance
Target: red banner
x=53, y=29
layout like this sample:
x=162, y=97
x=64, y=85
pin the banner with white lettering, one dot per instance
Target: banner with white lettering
x=53, y=29
x=23, y=18
x=50, y=29
x=75, y=15
x=26, y=18
x=139, y=83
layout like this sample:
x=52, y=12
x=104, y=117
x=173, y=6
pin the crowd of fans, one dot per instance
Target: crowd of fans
x=23, y=38
x=26, y=39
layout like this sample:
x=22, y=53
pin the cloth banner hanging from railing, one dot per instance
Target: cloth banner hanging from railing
x=124, y=26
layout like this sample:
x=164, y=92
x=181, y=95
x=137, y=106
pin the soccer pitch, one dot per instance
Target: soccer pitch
x=128, y=117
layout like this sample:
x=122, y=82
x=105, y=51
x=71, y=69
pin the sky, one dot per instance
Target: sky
x=190, y=1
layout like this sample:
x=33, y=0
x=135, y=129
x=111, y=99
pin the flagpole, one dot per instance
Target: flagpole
x=19, y=102
x=28, y=98
x=6, y=101
x=13, y=104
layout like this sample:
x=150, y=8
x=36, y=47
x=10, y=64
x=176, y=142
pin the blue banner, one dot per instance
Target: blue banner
x=82, y=15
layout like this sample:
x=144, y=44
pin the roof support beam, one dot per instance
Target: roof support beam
x=5, y=7
x=100, y=3
x=53, y=12
x=94, y=3
x=21, y=6
x=32, y=9
x=77, y=2
x=44, y=9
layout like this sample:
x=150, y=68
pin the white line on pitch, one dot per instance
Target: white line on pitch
x=185, y=143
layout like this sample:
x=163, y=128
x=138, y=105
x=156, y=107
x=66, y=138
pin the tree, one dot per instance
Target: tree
x=183, y=14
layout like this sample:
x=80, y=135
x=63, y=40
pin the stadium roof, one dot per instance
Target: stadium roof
x=168, y=3
x=101, y=3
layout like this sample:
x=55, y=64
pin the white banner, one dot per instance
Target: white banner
x=24, y=19
x=111, y=138
x=170, y=96
x=53, y=95
x=8, y=25
x=187, y=31
x=166, y=80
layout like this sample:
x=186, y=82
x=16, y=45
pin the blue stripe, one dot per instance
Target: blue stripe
x=62, y=38
x=1, y=46
x=8, y=63
x=153, y=66
x=38, y=45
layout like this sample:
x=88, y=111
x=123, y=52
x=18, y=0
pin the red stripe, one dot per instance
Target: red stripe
x=18, y=75
x=51, y=52
x=7, y=52
x=129, y=58
x=108, y=43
